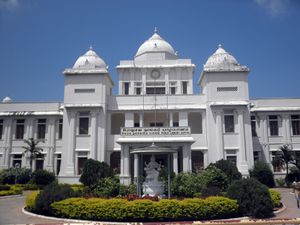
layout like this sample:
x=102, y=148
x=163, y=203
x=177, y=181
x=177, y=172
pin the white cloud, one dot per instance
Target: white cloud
x=274, y=7
x=9, y=4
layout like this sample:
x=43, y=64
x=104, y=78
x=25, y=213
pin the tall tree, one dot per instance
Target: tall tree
x=33, y=149
x=284, y=157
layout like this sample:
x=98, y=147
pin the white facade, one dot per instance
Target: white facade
x=155, y=104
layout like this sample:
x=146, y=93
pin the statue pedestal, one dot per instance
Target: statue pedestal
x=153, y=188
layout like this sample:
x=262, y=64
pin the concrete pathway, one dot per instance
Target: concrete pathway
x=289, y=201
x=11, y=210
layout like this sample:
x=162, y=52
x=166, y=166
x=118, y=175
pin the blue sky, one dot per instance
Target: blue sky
x=40, y=38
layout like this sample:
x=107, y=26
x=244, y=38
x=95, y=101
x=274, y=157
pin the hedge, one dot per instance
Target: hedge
x=275, y=197
x=145, y=210
x=30, y=201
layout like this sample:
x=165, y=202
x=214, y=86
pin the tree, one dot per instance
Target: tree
x=33, y=149
x=283, y=158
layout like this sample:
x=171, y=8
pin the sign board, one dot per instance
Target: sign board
x=155, y=131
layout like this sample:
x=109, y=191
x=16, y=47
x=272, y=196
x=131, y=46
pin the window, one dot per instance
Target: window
x=253, y=126
x=60, y=128
x=138, y=88
x=1, y=129
x=17, y=161
x=295, y=124
x=80, y=164
x=229, y=121
x=84, y=120
x=195, y=122
x=39, y=164
x=155, y=88
x=184, y=87
x=273, y=125
x=58, y=163
x=172, y=87
x=126, y=88
x=231, y=156
x=41, y=128
x=20, y=129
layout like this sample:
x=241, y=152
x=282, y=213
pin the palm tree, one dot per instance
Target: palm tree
x=33, y=149
x=284, y=157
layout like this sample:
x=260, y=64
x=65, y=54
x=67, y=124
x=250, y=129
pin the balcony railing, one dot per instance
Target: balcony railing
x=155, y=131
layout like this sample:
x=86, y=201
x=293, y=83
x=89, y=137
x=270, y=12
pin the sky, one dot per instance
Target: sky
x=40, y=38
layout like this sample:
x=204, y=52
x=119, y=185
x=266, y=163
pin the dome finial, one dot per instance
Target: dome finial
x=91, y=47
x=155, y=30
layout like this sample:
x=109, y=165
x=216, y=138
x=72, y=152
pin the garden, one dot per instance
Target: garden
x=218, y=192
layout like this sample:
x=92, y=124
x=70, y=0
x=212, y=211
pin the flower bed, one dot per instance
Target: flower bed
x=145, y=210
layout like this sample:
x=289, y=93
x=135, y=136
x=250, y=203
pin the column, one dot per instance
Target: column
x=141, y=119
x=187, y=153
x=136, y=167
x=70, y=144
x=125, y=172
x=242, y=164
x=171, y=119
x=175, y=162
x=93, y=140
x=219, y=136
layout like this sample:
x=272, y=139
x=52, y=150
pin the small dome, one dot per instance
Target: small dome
x=90, y=60
x=221, y=59
x=7, y=100
x=155, y=44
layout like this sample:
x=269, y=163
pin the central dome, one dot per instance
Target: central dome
x=155, y=44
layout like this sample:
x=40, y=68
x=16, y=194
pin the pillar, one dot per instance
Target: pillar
x=125, y=169
x=175, y=162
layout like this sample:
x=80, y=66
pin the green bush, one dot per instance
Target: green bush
x=276, y=197
x=13, y=190
x=93, y=171
x=4, y=187
x=253, y=198
x=263, y=173
x=145, y=210
x=107, y=187
x=30, y=201
x=127, y=189
x=214, y=177
x=187, y=184
x=52, y=193
x=15, y=175
x=229, y=169
x=42, y=177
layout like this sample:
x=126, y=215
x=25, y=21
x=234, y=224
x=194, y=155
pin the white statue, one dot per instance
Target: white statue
x=152, y=186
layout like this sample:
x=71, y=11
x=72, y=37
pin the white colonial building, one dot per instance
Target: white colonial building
x=155, y=112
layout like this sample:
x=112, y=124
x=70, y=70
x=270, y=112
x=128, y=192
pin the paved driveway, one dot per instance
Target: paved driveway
x=11, y=210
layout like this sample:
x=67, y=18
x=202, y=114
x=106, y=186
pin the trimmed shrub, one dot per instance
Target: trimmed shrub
x=93, y=171
x=276, y=198
x=263, y=173
x=145, y=210
x=214, y=177
x=107, y=187
x=42, y=177
x=253, y=198
x=52, y=193
x=30, y=201
x=187, y=184
x=229, y=169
